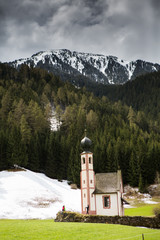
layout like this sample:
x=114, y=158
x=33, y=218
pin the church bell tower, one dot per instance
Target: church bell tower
x=87, y=177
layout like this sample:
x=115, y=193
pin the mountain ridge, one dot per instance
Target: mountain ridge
x=96, y=67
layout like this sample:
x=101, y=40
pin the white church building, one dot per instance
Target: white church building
x=101, y=193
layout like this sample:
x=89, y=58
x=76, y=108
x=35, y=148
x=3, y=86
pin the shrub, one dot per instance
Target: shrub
x=156, y=211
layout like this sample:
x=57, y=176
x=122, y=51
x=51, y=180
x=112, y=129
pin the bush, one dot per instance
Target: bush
x=156, y=211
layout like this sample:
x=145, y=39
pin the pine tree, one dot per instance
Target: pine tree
x=3, y=150
x=33, y=154
x=132, y=170
x=51, y=161
x=92, y=120
x=17, y=150
x=141, y=184
x=74, y=165
x=131, y=117
x=112, y=164
x=25, y=130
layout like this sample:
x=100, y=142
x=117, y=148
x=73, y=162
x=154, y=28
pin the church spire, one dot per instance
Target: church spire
x=85, y=132
x=87, y=177
x=86, y=142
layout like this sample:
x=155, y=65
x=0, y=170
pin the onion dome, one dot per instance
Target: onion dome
x=86, y=143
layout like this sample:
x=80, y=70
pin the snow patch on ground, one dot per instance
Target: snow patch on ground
x=29, y=195
x=131, y=194
x=148, y=201
x=128, y=206
x=54, y=122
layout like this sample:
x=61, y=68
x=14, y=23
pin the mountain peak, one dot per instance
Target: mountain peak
x=97, y=67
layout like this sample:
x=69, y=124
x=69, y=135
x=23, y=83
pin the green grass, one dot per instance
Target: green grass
x=143, y=210
x=50, y=230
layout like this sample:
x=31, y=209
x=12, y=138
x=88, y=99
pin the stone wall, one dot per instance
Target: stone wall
x=150, y=222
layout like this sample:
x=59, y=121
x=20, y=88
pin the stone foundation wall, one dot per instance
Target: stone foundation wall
x=150, y=222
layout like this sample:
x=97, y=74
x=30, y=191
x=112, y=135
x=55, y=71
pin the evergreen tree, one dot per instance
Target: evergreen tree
x=25, y=130
x=74, y=165
x=131, y=117
x=132, y=170
x=141, y=184
x=33, y=154
x=51, y=161
x=3, y=150
x=16, y=151
x=112, y=164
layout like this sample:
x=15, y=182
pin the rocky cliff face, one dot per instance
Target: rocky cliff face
x=96, y=67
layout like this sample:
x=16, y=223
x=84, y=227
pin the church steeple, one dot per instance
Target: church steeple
x=87, y=177
x=86, y=142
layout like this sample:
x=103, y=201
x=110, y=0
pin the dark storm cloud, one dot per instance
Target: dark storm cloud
x=155, y=4
x=41, y=11
x=26, y=11
x=156, y=7
x=125, y=28
x=97, y=10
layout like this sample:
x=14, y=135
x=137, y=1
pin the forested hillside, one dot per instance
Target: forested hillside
x=121, y=136
x=143, y=93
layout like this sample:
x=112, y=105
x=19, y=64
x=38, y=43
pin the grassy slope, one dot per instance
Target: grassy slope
x=142, y=209
x=49, y=230
x=145, y=210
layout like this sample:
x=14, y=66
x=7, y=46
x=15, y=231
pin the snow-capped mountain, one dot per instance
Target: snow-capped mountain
x=96, y=67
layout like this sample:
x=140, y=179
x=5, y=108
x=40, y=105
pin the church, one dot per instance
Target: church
x=101, y=193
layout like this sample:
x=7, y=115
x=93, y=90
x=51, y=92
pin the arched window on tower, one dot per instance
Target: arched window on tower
x=90, y=160
x=83, y=160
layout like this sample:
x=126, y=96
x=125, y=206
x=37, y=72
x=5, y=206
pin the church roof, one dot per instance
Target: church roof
x=86, y=143
x=107, y=182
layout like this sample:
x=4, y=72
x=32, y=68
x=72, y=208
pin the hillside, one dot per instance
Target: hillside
x=29, y=195
x=82, y=67
x=143, y=93
x=121, y=135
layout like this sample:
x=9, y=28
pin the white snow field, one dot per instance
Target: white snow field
x=29, y=195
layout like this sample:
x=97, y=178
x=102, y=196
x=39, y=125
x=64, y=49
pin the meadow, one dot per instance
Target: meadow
x=141, y=210
x=50, y=230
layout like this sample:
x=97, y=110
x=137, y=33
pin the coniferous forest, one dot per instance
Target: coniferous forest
x=123, y=123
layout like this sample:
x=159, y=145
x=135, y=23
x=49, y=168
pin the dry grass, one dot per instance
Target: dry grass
x=16, y=169
x=42, y=202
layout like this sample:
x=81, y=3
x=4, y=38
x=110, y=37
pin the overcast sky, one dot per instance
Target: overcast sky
x=128, y=29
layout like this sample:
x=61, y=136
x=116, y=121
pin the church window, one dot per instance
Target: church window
x=106, y=202
x=84, y=195
x=90, y=160
x=83, y=160
x=91, y=181
x=83, y=181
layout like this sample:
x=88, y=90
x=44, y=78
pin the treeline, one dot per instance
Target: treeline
x=143, y=93
x=121, y=136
